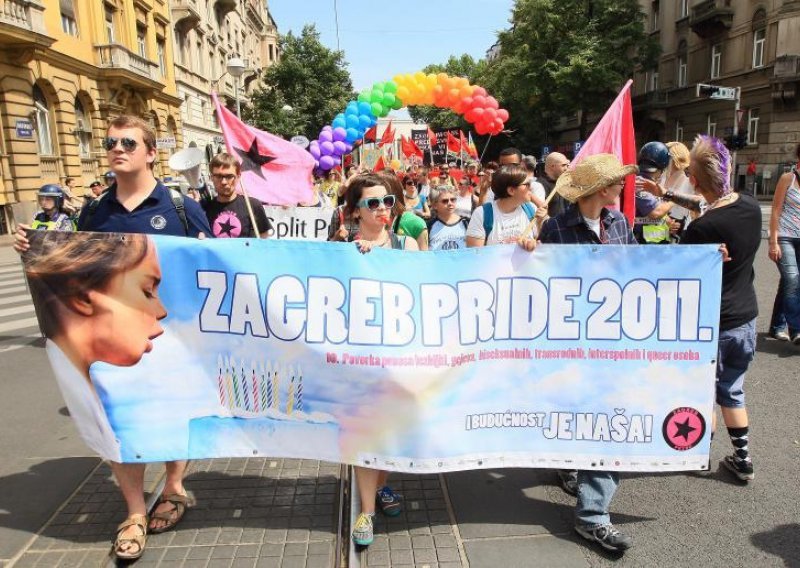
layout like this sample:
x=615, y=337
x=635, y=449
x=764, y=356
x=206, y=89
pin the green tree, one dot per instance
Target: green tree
x=464, y=66
x=564, y=56
x=304, y=90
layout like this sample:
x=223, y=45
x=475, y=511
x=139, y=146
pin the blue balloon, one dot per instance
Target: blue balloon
x=339, y=123
x=364, y=120
x=374, y=121
x=352, y=121
x=352, y=108
x=364, y=108
x=352, y=135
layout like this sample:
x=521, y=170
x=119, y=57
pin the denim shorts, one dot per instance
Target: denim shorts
x=736, y=350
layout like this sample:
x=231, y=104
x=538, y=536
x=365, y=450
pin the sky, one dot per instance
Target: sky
x=380, y=39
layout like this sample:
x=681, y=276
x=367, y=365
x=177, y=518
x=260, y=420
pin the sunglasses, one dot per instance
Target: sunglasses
x=372, y=203
x=445, y=200
x=128, y=144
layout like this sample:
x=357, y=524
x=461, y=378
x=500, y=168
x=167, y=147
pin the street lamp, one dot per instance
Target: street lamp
x=236, y=68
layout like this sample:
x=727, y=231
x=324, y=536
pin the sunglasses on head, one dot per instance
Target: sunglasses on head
x=128, y=144
x=372, y=203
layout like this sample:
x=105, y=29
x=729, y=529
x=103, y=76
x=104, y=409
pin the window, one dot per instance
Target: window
x=711, y=125
x=162, y=62
x=141, y=41
x=683, y=71
x=654, y=80
x=654, y=19
x=678, y=131
x=41, y=113
x=199, y=56
x=110, y=25
x=752, y=126
x=212, y=65
x=683, y=8
x=203, y=110
x=759, y=39
x=69, y=24
x=83, y=131
x=271, y=55
x=716, y=60
x=180, y=40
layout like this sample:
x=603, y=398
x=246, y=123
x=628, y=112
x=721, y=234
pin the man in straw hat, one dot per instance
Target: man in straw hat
x=592, y=186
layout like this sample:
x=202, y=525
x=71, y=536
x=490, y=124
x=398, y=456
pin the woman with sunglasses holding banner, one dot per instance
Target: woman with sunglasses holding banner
x=370, y=202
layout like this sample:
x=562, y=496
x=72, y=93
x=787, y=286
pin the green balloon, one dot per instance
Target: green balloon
x=390, y=87
x=363, y=96
x=377, y=109
x=388, y=100
x=398, y=104
x=376, y=96
x=378, y=87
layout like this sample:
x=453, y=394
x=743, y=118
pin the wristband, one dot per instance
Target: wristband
x=668, y=195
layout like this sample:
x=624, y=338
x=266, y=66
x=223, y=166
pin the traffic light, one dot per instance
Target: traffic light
x=706, y=90
x=736, y=142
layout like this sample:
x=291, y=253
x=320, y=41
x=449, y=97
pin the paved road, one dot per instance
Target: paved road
x=480, y=519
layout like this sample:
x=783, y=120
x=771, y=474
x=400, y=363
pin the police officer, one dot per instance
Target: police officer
x=50, y=217
x=652, y=224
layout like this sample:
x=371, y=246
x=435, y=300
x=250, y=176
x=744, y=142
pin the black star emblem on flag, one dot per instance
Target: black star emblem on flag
x=683, y=429
x=253, y=160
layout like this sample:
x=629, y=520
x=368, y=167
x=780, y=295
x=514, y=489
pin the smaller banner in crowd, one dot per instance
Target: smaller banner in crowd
x=299, y=223
x=440, y=155
x=584, y=357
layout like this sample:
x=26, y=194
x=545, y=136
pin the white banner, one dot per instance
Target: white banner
x=299, y=223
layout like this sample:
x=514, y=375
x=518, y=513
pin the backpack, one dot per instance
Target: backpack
x=488, y=216
x=177, y=201
x=398, y=242
x=430, y=222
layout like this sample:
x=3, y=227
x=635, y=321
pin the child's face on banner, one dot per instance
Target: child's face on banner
x=126, y=314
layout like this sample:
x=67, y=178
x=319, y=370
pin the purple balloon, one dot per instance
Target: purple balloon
x=327, y=127
x=326, y=148
x=339, y=134
x=326, y=162
x=348, y=147
x=325, y=136
x=339, y=148
x=313, y=149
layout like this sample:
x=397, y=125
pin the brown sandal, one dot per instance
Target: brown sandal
x=139, y=540
x=173, y=516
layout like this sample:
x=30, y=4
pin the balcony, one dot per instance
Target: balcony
x=224, y=6
x=711, y=18
x=117, y=62
x=787, y=68
x=185, y=15
x=651, y=100
x=255, y=13
x=22, y=24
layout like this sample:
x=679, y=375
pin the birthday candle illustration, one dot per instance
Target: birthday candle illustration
x=235, y=379
x=299, y=404
x=269, y=386
x=290, y=396
x=220, y=380
x=255, y=386
x=263, y=381
x=276, y=383
x=229, y=383
x=245, y=389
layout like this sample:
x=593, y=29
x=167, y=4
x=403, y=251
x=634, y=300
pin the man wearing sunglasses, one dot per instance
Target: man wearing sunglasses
x=228, y=213
x=139, y=203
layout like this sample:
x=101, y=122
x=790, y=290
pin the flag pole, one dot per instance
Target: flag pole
x=249, y=208
x=535, y=219
x=484, y=147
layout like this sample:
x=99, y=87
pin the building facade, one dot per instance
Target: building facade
x=207, y=33
x=750, y=46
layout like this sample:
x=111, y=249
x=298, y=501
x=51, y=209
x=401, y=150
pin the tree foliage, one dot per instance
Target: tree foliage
x=564, y=56
x=463, y=66
x=310, y=78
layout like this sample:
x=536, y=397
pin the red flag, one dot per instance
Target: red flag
x=614, y=135
x=380, y=165
x=273, y=169
x=463, y=142
x=388, y=135
x=416, y=149
x=453, y=145
x=371, y=135
x=405, y=147
x=432, y=137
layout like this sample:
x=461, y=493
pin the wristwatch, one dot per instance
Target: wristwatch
x=668, y=195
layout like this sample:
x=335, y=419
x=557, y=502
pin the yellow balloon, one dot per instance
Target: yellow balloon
x=419, y=76
x=431, y=80
x=395, y=164
x=403, y=94
x=465, y=91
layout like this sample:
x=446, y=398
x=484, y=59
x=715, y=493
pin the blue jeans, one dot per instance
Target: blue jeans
x=735, y=352
x=595, y=491
x=790, y=281
x=778, y=321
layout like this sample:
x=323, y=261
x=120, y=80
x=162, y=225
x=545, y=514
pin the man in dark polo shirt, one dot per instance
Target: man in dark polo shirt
x=139, y=203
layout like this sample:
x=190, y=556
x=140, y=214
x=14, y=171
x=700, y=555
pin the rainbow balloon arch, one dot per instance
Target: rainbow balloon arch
x=440, y=90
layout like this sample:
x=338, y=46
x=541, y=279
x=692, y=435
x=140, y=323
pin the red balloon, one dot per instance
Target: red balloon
x=466, y=102
x=478, y=113
x=502, y=114
x=498, y=124
x=481, y=129
x=470, y=115
x=478, y=101
x=491, y=102
x=490, y=113
x=479, y=91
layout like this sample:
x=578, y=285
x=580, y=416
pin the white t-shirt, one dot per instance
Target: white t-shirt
x=593, y=224
x=447, y=237
x=506, y=229
x=464, y=205
x=537, y=189
x=84, y=405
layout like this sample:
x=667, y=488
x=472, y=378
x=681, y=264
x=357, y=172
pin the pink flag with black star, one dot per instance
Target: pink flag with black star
x=274, y=170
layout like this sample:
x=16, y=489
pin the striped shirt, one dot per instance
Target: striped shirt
x=789, y=221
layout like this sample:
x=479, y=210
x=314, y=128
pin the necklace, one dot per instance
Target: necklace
x=722, y=200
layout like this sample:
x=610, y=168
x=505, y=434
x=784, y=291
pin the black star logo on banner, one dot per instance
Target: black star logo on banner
x=253, y=160
x=226, y=227
x=684, y=429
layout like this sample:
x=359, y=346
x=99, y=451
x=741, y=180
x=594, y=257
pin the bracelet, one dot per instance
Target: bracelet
x=669, y=195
